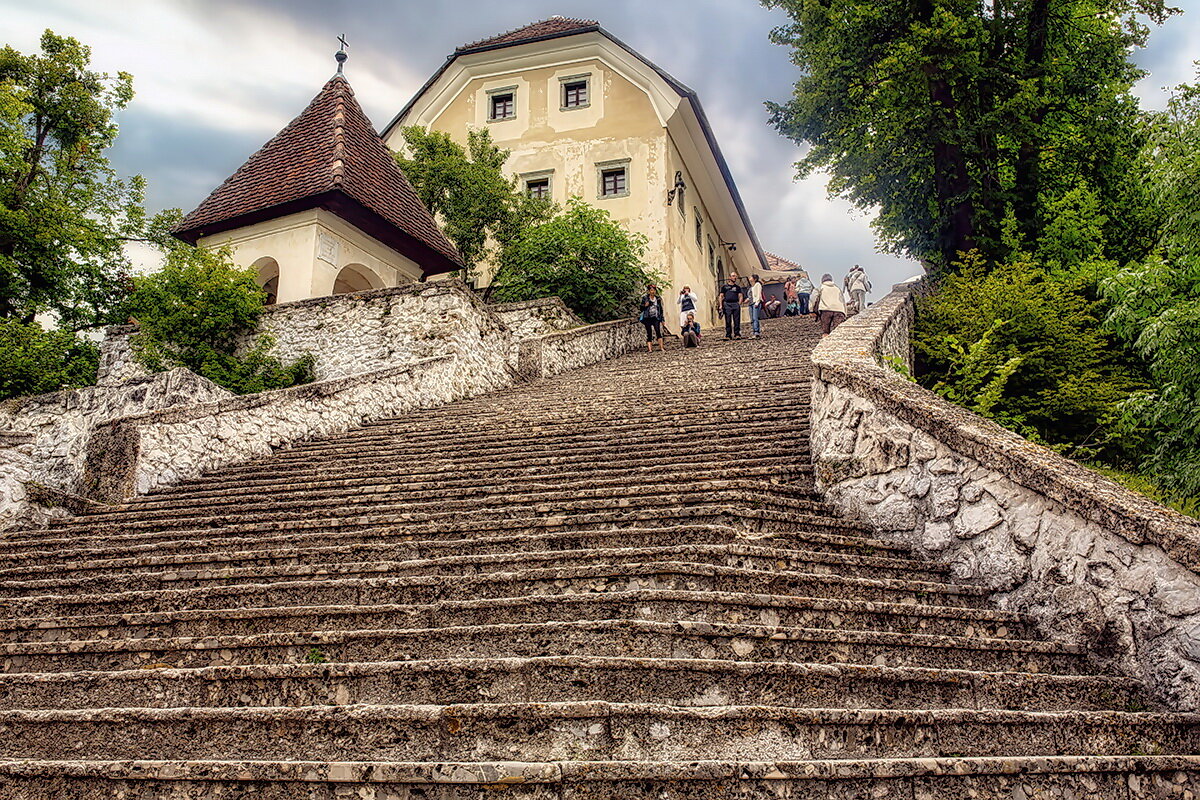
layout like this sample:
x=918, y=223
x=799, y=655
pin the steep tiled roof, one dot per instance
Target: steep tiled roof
x=555, y=26
x=330, y=148
x=780, y=264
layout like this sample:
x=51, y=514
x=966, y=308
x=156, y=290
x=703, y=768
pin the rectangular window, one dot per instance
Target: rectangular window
x=539, y=188
x=575, y=94
x=503, y=105
x=613, y=182
x=712, y=255
x=699, y=229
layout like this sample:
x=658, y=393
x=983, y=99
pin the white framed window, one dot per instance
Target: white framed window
x=613, y=179
x=502, y=104
x=575, y=92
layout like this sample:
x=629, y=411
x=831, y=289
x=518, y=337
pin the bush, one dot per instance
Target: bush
x=1026, y=350
x=581, y=255
x=35, y=361
x=196, y=312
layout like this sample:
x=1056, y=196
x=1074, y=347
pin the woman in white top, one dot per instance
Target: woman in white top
x=688, y=303
x=828, y=304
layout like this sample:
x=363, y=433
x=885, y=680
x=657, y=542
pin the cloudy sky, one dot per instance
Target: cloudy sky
x=216, y=78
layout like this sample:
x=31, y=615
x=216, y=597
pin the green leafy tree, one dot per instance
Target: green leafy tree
x=197, y=312
x=468, y=191
x=35, y=361
x=963, y=123
x=581, y=255
x=1025, y=349
x=1156, y=304
x=64, y=215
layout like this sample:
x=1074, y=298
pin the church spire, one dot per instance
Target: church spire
x=340, y=55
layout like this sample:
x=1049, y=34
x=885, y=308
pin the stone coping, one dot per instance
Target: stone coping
x=15, y=438
x=554, y=302
x=271, y=396
x=850, y=356
x=541, y=772
x=17, y=405
x=574, y=333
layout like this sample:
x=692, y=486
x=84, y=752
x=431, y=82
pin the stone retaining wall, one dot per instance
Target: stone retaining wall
x=529, y=318
x=1091, y=561
x=558, y=352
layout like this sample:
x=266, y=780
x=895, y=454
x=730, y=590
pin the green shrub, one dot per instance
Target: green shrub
x=196, y=311
x=35, y=361
x=581, y=255
x=1027, y=350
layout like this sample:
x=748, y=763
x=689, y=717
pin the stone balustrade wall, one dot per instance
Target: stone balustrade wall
x=1093, y=562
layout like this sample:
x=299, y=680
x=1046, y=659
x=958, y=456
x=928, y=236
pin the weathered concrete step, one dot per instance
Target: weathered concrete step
x=175, y=572
x=612, y=638
x=1027, y=777
x=496, y=536
x=588, y=730
x=455, y=475
x=461, y=483
x=650, y=604
x=677, y=682
x=384, y=525
x=621, y=495
x=565, y=580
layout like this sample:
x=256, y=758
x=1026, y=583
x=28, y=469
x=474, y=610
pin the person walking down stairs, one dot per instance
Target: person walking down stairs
x=652, y=318
x=857, y=284
x=828, y=304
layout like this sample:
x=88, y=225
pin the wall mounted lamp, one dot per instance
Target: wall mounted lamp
x=677, y=189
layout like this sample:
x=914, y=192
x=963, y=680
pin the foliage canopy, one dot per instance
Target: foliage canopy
x=35, y=361
x=582, y=255
x=64, y=215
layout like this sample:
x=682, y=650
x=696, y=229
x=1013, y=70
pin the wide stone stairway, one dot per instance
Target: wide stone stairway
x=616, y=583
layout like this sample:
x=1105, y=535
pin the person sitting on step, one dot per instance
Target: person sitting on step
x=690, y=334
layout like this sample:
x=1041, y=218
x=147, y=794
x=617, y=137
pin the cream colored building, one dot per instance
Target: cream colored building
x=323, y=209
x=584, y=115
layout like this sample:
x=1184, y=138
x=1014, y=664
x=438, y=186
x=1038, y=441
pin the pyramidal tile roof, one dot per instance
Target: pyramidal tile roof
x=780, y=264
x=329, y=153
x=543, y=29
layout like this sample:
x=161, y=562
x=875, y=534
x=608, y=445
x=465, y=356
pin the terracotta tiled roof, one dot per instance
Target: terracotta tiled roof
x=555, y=26
x=781, y=264
x=330, y=148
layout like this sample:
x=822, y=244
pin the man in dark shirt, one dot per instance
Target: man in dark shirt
x=732, y=297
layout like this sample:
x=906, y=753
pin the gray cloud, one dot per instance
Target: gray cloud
x=219, y=77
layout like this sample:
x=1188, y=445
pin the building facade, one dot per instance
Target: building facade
x=585, y=115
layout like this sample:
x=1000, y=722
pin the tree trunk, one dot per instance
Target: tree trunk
x=1028, y=174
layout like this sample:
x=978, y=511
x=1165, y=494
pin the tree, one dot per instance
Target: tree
x=35, y=361
x=1026, y=349
x=468, y=191
x=1156, y=304
x=962, y=121
x=200, y=311
x=581, y=255
x=64, y=215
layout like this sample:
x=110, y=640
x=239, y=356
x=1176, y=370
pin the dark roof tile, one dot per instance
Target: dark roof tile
x=554, y=26
x=331, y=146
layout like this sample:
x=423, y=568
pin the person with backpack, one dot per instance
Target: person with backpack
x=857, y=285
x=804, y=290
x=732, y=296
x=652, y=318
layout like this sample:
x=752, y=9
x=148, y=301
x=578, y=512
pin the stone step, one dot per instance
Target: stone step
x=607, y=528
x=1138, y=777
x=648, y=639
x=459, y=478
x=651, y=604
x=564, y=580
x=74, y=543
x=578, y=428
x=465, y=483
x=366, y=463
x=546, y=679
x=176, y=572
x=413, y=502
x=585, y=730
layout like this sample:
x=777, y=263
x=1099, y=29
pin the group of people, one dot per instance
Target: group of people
x=826, y=301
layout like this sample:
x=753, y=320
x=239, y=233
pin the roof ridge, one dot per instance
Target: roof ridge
x=557, y=22
x=337, y=162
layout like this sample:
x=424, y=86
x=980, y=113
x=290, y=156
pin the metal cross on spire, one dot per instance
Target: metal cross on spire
x=341, y=53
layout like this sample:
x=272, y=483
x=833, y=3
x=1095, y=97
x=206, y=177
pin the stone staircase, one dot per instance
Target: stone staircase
x=617, y=583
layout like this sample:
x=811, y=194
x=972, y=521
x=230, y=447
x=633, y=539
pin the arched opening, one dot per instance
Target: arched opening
x=356, y=278
x=268, y=277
